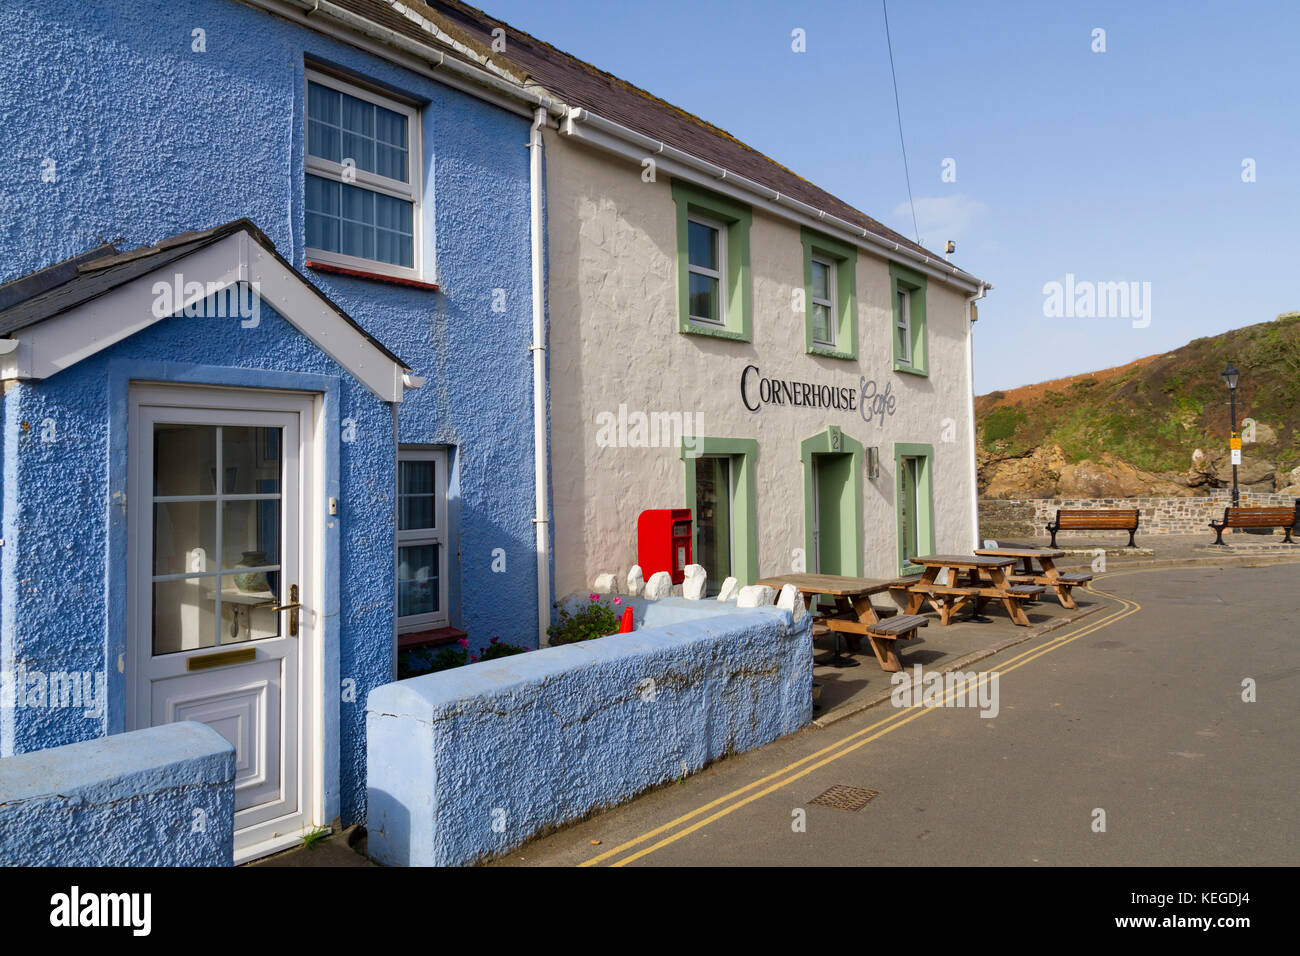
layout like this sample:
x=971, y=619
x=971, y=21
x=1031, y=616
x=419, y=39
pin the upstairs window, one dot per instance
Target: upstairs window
x=911, y=349
x=903, y=326
x=823, y=302
x=362, y=180
x=712, y=263
x=708, y=268
x=830, y=296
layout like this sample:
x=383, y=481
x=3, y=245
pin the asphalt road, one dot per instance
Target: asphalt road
x=1136, y=711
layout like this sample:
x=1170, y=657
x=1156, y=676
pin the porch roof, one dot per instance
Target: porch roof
x=32, y=301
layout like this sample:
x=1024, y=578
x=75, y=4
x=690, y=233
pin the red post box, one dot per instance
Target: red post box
x=663, y=542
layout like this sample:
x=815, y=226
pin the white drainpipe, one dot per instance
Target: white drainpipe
x=540, y=465
x=970, y=398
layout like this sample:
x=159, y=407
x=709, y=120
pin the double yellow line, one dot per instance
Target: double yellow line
x=731, y=802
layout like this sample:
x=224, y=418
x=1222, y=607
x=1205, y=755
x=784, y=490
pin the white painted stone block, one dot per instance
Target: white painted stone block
x=604, y=584
x=756, y=595
x=659, y=586
x=730, y=588
x=635, y=581
x=695, y=582
x=791, y=600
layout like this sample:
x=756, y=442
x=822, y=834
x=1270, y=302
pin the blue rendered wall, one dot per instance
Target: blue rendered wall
x=536, y=740
x=151, y=139
x=158, y=797
x=62, y=580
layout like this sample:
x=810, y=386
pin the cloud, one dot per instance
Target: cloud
x=941, y=217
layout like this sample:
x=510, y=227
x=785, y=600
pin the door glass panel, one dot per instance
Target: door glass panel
x=235, y=528
x=241, y=617
x=250, y=460
x=250, y=532
x=713, y=519
x=185, y=459
x=417, y=579
x=184, y=536
x=183, y=614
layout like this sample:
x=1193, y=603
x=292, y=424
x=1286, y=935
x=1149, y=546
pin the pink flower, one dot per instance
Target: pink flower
x=494, y=640
x=464, y=644
x=594, y=597
x=618, y=600
x=474, y=659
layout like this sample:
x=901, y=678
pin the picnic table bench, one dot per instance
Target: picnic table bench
x=1046, y=573
x=855, y=616
x=1095, y=519
x=947, y=599
x=1284, y=517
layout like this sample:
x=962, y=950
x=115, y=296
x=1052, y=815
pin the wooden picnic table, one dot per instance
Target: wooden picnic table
x=1046, y=574
x=947, y=599
x=855, y=616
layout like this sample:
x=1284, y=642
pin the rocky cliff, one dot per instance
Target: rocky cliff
x=1155, y=427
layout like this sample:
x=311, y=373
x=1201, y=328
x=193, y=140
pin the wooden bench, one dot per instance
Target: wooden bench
x=881, y=634
x=1095, y=519
x=1060, y=583
x=1257, y=518
x=948, y=599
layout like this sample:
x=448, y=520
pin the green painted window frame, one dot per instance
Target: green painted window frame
x=738, y=219
x=914, y=283
x=832, y=441
x=845, y=258
x=743, y=453
x=924, y=494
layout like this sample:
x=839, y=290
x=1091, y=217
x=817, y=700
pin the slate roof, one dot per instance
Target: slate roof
x=47, y=292
x=577, y=83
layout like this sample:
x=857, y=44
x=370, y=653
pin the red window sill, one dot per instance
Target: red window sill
x=431, y=638
x=377, y=276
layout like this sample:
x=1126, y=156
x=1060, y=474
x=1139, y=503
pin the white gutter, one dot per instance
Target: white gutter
x=628, y=142
x=320, y=14
x=970, y=407
x=541, y=464
x=496, y=84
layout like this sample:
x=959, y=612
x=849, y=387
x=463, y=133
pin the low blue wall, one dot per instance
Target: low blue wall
x=468, y=763
x=158, y=797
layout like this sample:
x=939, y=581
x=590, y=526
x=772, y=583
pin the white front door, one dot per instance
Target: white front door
x=220, y=559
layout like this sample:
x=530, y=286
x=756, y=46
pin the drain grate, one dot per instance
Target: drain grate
x=840, y=797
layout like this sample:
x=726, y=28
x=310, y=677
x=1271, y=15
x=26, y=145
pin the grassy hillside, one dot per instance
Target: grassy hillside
x=1153, y=413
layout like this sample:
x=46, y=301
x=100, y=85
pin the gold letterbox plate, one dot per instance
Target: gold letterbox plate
x=241, y=656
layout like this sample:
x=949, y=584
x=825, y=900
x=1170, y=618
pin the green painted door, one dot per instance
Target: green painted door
x=909, y=506
x=833, y=500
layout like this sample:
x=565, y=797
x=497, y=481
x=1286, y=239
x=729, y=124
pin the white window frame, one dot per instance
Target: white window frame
x=904, y=323
x=720, y=274
x=832, y=283
x=420, y=536
x=409, y=191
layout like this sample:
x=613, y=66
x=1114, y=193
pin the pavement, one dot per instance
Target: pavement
x=1119, y=739
x=1169, y=617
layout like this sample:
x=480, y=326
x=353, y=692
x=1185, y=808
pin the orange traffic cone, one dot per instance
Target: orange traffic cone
x=626, y=626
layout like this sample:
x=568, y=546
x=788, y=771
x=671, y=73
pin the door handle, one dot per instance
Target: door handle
x=292, y=607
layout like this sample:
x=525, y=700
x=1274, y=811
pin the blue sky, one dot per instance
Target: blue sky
x=1122, y=166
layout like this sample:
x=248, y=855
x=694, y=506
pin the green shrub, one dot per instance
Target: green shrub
x=1001, y=423
x=496, y=649
x=587, y=623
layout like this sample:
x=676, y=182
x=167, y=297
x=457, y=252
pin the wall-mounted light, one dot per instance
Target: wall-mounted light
x=873, y=463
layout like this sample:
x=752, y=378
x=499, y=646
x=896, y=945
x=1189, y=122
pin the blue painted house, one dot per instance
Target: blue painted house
x=270, y=295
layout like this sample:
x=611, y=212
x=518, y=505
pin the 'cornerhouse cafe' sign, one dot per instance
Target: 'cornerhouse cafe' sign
x=757, y=391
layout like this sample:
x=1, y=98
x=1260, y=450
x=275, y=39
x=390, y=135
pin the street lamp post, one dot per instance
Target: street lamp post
x=1230, y=376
